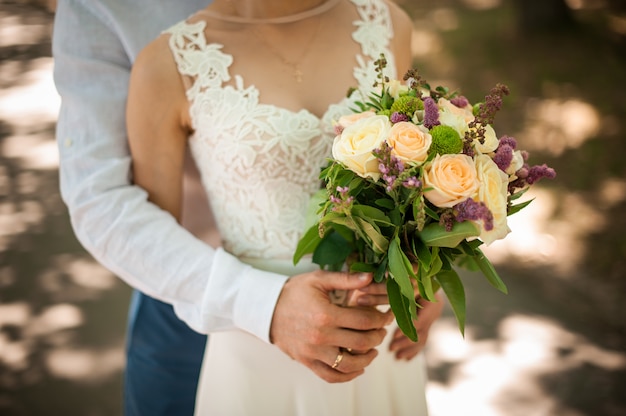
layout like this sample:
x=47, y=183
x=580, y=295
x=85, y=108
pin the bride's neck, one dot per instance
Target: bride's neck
x=264, y=9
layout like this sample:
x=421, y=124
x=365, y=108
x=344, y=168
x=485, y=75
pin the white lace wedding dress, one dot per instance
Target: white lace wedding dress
x=260, y=165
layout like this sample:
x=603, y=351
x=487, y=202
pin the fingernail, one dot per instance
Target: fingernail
x=364, y=276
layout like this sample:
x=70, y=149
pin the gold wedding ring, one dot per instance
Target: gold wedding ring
x=338, y=359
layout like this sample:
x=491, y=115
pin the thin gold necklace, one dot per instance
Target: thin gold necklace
x=295, y=64
x=291, y=18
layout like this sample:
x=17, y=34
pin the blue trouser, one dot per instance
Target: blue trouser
x=163, y=360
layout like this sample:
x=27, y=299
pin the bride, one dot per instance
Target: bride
x=253, y=87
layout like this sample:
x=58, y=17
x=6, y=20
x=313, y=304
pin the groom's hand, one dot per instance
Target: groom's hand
x=313, y=331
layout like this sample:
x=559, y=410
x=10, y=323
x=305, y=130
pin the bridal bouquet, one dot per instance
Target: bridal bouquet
x=418, y=181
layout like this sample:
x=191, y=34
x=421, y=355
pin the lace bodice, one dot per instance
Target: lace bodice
x=260, y=163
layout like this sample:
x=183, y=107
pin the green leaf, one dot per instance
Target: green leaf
x=436, y=235
x=333, y=249
x=403, y=309
x=489, y=271
x=432, y=214
x=381, y=271
x=422, y=252
x=362, y=267
x=512, y=209
x=385, y=203
x=398, y=268
x=425, y=282
x=307, y=244
x=469, y=247
x=370, y=213
x=518, y=194
x=455, y=292
x=379, y=242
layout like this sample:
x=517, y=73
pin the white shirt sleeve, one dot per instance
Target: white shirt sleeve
x=210, y=289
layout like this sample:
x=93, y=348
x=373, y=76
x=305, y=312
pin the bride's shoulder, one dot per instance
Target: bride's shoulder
x=403, y=32
x=400, y=19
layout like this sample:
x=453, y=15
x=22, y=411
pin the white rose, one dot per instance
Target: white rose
x=354, y=146
x=490, y=144
x=396, y=88
x=516, y=164
x=455, y=117
x=493, y=193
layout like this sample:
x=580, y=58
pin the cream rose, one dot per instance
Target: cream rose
x=452, y=179
x=493, y=193
x=516, y=164
x=397, y=88
x=455, y=117
x=354, y=146
x=410, y=143
x=490, y=144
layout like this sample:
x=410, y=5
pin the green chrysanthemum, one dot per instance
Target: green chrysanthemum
x=446, y=140
x=407, y=104
x=384, y=113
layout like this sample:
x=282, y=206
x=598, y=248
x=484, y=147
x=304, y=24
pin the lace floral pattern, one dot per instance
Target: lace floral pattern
x=260, y=163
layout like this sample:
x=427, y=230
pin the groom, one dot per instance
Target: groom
x=94, y=45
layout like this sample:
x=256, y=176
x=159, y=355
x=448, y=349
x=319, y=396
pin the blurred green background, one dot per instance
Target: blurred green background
x=556, y=345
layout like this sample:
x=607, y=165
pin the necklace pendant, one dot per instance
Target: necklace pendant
x=297, y=73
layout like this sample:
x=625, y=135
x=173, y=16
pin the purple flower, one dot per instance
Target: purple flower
x=447, y=220
x=431, y=113
x=503, y=156
x=460, y=101
x=470, y=210
x=343, y=201
x=389, y=165
x=397, y=117
x=538, y=172
x=510, y=141
x=412, y=182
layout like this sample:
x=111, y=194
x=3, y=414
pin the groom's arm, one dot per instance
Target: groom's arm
x=210, y=289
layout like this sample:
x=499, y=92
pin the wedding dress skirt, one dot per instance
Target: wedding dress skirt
x=242, y=375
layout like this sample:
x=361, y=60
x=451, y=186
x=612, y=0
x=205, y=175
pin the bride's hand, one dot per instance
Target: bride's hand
x=312, y=330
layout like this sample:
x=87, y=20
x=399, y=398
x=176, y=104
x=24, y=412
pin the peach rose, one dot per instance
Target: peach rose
x=354, y=146
x=409, y=142
x=452, y=179
x=345, y=121
x=493, y=193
